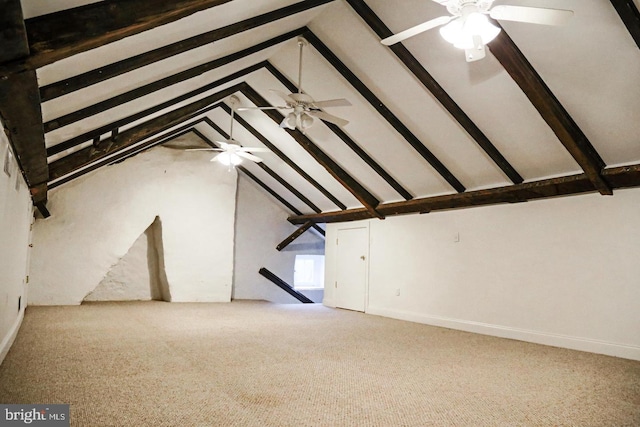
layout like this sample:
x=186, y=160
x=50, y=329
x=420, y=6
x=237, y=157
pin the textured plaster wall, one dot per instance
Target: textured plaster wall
x=137, y=276
x=261, y=225
x=15, y=220
x=97, y=218
x=562, y=272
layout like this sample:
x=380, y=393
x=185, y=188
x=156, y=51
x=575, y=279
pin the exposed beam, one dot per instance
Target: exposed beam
x=117, y=68
x=22, y=120
x=141, y=91
x=284, y=286
x=423, y=76
x=96, y=133
x=558, y=119
x=42, y=208
x=20, y=105
x=90, y=154
x=367, y=199
x=125, y=154
x=330, y=217
x=13, y=37
x=630, y=15
x=163, y=83
x=293, y=236
x=618, y=177
x=338, y=131
x=58, y=35
x=271, y=172
x=384, y=111
x=275, y=150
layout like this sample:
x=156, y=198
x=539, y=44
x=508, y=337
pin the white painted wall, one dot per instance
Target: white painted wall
x=15, y=221
x=261, y=224
x=97, y=218
x=562, y=272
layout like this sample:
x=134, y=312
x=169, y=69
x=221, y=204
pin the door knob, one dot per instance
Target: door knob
x=362, y=257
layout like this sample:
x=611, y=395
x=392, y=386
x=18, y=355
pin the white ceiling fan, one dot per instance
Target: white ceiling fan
x=303, y=108
x=231, y=152
x=468, y=27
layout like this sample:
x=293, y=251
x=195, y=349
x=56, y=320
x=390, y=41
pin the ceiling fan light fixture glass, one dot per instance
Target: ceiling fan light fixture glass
x=460, y=32
x=306, y=121
x=229, y=159
x=289, y=121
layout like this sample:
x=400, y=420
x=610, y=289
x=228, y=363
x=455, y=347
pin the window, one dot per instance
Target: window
x=308, y=272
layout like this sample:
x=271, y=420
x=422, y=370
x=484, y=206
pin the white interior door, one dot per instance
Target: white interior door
x=351, y=270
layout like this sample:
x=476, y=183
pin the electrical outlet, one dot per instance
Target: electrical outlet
x=398, y=292
x=456, y=237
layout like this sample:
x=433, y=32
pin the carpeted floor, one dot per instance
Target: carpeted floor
x=262, y=364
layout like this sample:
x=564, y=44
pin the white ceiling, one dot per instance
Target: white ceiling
x=591, y=65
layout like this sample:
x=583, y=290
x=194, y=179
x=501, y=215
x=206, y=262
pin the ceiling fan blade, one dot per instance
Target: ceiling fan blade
x=261, y=108
x=413, y=31
x=531, y=15
x=332, y=103
x=284, y=96
x=329, y=118
x=249, y=156
x=204, y=149
x=255, y=149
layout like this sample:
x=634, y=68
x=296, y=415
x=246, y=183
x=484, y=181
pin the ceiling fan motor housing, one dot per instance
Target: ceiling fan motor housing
x=465, y=7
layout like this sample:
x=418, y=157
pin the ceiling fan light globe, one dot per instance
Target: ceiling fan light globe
x=306, y=121
x=290, y=121
x=229, y=159
x=460, y=32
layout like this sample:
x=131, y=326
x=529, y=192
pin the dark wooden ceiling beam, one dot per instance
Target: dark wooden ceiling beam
x=163, y=83
x=262, y=165
x=117, y=68
x=363, y=195
x=13, y=37
x=338, y=131
x=125, y=154
x=20, y=105
x=293, y=236
x=331, y=217
x=275, y=150
x=423, y=76
x=551, y=110
x=96, y=133
x=382, y=109
x=630, y=15
x=149, y=88
x=58, y=35
x=618, y=177
x=88, y=155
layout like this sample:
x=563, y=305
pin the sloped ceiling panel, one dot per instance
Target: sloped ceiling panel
x=401, y=142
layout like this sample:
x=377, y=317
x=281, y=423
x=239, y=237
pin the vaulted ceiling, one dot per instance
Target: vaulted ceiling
x=550, y=111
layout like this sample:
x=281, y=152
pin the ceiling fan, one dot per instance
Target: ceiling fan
x=303, y=108
x=231, y=152
x=469, y=28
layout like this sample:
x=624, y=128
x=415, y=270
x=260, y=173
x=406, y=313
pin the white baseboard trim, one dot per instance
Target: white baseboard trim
x=8, y=340
x=555, y=340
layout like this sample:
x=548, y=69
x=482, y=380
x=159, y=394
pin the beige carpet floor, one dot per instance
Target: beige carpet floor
x=262, y=364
